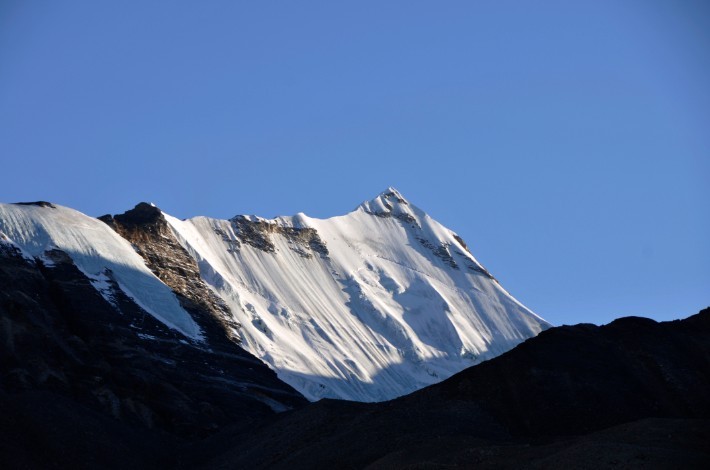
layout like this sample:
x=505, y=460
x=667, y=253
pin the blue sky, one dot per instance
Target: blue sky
x=567, y=142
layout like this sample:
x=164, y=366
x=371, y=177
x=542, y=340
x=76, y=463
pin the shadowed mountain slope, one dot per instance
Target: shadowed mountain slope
x=101, y=349
x=631, y=394
x=536, y=403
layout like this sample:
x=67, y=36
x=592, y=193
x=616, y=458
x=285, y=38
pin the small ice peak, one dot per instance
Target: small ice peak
x=294, y=221
x=299, y=220
x=391, y=194
x=247, y=217
x=390, y=202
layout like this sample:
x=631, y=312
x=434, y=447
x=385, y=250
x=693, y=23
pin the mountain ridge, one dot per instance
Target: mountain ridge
x=365, y=306
x=89, y=377
x=383, y=262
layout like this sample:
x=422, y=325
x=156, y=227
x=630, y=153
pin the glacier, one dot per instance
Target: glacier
x=367, y=306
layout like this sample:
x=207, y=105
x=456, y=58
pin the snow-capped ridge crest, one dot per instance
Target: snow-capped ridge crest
x=391, y=203
x=390, y=195
x=388, y=202
x=366, y=306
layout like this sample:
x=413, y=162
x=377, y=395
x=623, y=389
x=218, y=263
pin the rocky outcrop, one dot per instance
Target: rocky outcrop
x=37, y=203
x=145, y=227
x=472, y=266
x=257, y=233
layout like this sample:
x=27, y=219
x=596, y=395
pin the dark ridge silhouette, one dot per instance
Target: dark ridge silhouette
x=58, y=335
x=546, y=403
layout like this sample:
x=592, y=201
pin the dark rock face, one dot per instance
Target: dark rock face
x=37, y=203
x=60, y=337
x=151, y=237
x=402, y=216
x=257, y=233
x=470, y=265
x=395, y=196
x=441, y=251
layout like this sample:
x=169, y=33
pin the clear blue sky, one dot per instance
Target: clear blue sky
x=567, y=142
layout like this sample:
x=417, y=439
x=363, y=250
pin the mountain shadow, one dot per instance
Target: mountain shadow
x=60, y=336
x=635, y=392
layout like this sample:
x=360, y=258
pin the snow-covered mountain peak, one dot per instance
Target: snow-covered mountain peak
x=389, y=199
x=391, y=203
x=392, y=193
x=365, y=306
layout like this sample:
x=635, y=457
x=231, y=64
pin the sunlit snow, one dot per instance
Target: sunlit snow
x=96, y=250
x=398, y=302
x=367, y=306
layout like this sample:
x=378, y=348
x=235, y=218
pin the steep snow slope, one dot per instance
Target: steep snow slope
x=367, y=306
x=40, y=229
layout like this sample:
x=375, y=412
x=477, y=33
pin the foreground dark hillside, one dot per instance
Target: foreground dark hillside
x=575, y=379
x=546, y=403
x=74, y=368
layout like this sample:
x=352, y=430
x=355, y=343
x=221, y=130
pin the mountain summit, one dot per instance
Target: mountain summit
x=389, y=200
x=367, y=306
